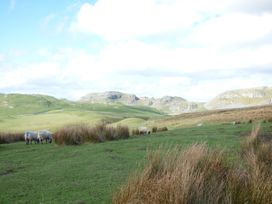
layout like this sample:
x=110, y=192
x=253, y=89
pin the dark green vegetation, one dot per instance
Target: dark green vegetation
x=91, y=173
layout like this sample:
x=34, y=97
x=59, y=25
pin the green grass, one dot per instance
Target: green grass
x=20, y=112
x=91, y=173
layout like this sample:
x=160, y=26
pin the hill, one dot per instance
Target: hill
x=166, y=104
x=241, y=98
x=242, y=115
x=19, y=112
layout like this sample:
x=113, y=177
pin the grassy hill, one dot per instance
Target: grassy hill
x=243, y=115
x=91, y=173
x=242, y=98
x=19, y=112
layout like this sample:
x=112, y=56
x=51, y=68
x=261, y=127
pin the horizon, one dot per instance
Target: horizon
x=194, y=50
x=140, y=96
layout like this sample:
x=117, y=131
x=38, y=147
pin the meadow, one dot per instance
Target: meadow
x=93, y=173
x=19, y=113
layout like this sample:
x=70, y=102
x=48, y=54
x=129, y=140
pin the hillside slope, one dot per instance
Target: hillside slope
x=241, y=98
x=19, y=112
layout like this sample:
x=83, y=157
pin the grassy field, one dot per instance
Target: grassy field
x=32, y=112
x=91, y=173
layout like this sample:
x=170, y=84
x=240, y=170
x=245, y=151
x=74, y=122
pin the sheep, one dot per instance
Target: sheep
x=31, y=136
x=45, y=135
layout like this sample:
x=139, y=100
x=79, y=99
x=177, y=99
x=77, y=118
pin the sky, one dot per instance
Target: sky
x=193, y=49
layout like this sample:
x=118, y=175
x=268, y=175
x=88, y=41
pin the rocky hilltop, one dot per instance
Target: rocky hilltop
x=110, y=97
x=241, y=98
x=167, y=104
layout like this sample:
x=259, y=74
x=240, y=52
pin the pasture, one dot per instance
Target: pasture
x=92, y=173
x=19, y=113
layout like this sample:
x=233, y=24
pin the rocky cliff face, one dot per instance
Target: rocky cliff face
x=176, y=105
x=167, y=104
x=110, y=97
x=241, y=98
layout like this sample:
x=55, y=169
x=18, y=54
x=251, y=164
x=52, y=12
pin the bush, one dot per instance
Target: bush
x=79, y=133
x=6, y=138
x=198, y=175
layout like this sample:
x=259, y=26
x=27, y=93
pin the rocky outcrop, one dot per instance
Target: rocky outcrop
x=241, y=98
x=167, y=104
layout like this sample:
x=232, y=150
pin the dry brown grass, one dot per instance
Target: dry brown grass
x=199, y=175
x=6, y=138
x=217, y=116
x=77, y=134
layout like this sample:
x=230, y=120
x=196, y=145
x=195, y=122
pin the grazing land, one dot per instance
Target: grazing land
x=25, y=112
x=243, y=115
x=92, y=173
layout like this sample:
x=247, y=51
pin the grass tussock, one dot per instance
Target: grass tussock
x=200, y=175
x=6, y=138
x=77, y=134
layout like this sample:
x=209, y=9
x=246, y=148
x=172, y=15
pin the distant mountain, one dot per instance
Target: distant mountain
x=14, y=104
x=167, y=104
x=110, y=97
x=241, y=98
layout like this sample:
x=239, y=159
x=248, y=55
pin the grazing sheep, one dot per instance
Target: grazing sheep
x=45, y=135
x=144, y=131
x=31, y=136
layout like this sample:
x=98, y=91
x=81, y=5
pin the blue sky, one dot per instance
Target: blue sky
x=193, y=49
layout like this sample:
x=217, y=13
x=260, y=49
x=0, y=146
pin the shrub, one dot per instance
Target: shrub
x=199, y=175
x=250, y=121
x=6, y=138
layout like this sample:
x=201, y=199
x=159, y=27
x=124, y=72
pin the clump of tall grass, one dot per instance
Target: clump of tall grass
x=162, y=129
x=77, y=134
x=6, y=137
x=135, y=132
x=154, y=129
x=200, y=175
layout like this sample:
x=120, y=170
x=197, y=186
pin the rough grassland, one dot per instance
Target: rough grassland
x=91, y=173
x=215, y=116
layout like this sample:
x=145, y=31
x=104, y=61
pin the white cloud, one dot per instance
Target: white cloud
x=233, y=28
x=2, y=57
x=204, y=39
x=31, y=74
x=125, y=19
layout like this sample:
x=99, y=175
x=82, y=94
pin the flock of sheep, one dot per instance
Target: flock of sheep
x=38, y=137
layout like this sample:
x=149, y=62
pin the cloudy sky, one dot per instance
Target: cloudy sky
x=194, y=49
